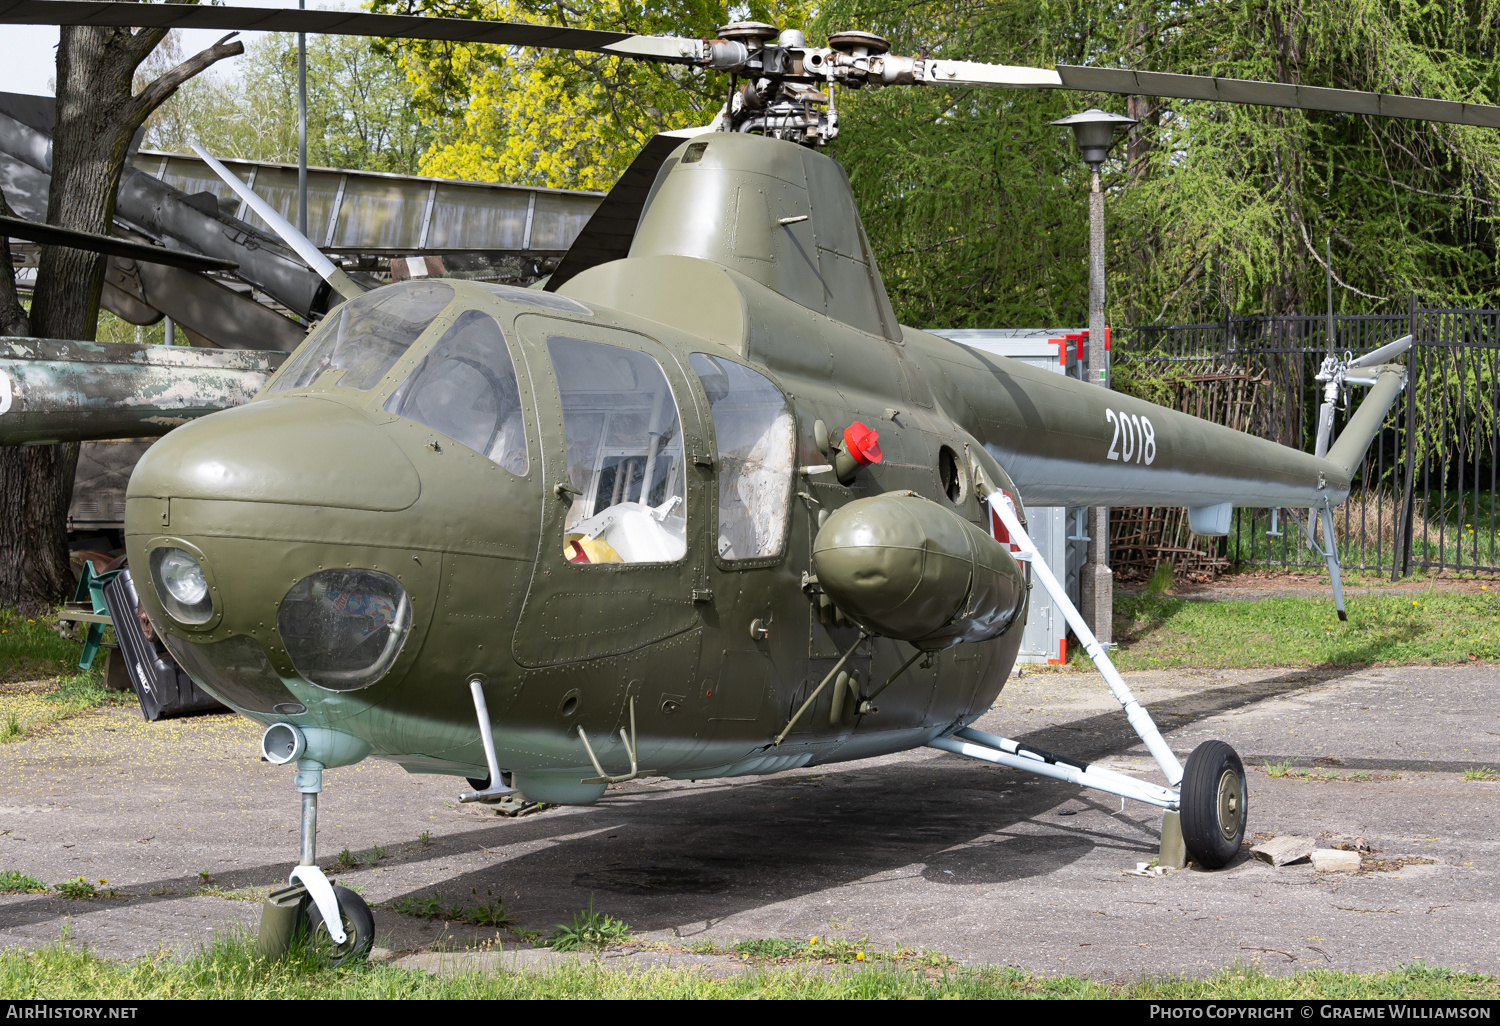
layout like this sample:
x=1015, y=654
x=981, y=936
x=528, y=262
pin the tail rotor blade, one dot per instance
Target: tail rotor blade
x=1325, y=428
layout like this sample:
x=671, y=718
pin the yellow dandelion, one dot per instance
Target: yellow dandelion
x=859, y=956
x=813, y=941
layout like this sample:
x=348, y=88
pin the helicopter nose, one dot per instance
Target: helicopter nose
x=299, y=450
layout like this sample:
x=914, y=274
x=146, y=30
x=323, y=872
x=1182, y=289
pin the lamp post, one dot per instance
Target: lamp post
x=1095, y=131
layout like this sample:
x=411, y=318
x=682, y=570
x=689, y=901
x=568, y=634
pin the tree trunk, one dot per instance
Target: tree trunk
x=97, y=114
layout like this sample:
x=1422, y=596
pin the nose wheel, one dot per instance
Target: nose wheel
x=1215, y=804
x=359, y=929
x=335, y=922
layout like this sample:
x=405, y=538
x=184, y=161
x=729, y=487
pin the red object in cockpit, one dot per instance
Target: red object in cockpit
x=862, y=443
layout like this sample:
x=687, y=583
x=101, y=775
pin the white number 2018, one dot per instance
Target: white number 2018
x=1134, y=440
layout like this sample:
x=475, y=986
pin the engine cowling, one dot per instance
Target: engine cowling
x=908, y=568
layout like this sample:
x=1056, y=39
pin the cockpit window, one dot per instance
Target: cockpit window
x=624, y=455
x=754, y=431
x=366, y=336
x=466, y=388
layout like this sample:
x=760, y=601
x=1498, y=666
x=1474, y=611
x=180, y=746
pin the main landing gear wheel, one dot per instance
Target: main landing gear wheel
x=1215, y=803
x=359, y=929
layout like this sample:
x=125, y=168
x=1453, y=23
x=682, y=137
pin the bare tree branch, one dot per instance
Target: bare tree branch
x=159, y=91
x=1314, y=251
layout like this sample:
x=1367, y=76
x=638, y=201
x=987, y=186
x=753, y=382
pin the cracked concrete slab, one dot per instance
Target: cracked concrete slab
x=921, y=849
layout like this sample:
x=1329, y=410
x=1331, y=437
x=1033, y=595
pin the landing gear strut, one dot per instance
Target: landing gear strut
x=333, y=921
x=1204, y=803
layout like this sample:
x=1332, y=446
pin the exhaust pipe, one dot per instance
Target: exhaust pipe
x=282, y=743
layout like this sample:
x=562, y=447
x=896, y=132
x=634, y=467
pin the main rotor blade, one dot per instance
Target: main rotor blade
x=275, y=19
x=675, y=50
x=1275, y=94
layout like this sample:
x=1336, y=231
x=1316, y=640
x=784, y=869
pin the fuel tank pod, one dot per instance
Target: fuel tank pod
x=908, y=568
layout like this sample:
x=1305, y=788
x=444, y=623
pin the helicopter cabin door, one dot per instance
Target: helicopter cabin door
x=620, y=572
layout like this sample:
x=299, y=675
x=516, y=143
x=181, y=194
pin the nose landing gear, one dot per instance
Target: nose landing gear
x=333, y=921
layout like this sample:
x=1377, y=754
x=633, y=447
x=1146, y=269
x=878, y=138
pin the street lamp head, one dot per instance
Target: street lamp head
x=1095, y=130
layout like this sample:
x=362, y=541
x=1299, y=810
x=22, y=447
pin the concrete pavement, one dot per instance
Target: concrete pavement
x=920, y=849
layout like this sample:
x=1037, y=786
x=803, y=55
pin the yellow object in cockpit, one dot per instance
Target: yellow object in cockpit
x=581, y=549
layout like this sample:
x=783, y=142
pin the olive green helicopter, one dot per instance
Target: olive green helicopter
x=698, y=507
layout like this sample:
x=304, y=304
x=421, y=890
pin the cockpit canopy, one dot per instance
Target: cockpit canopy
x=620, y=418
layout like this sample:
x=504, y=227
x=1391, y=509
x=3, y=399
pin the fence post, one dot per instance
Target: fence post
x=1401, y=565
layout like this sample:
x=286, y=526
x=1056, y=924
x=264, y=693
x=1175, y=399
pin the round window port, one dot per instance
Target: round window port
x=950, y=473
x=569, y=706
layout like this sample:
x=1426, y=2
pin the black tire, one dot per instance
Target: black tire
x=359, y=929
x=1215, y=804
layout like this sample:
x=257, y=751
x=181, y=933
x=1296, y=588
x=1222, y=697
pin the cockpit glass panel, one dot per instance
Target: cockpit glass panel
x=466, y=388
x=755, y=433
x=366, y=336
x=625, y=457
x=537, y=298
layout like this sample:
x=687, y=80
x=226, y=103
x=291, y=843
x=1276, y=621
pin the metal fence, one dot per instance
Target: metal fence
x=1424, y=497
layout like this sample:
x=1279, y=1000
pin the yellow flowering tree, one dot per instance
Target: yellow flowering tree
x=558, y=118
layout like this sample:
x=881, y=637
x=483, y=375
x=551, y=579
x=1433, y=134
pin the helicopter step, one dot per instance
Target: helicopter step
x=1204, y=806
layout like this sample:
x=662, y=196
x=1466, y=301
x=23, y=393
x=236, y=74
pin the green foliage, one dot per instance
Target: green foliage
x=1436, y=628
x=79, y=889
x=346, y=860
x=374, y=855
x=229, y=970
x=490, y=912
x=12, y=882
x=771, y=947
x=820, y=949
x=978, y=209
x=1277, y=769
x=589, y=929
x=1480, y=773
x=1161, y=579
x=360, y=111
x=555, y=117
x=31, y=648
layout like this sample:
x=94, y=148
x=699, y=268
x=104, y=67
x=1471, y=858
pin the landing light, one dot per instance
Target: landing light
x=181, y=585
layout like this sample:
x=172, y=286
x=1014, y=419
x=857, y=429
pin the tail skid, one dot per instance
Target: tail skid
x=1388, y=380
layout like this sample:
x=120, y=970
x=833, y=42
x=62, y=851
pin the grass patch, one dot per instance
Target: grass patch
x=1480, y=773
x=228, y=970
x=12, y=882
x=1160, y=632
x=489, y=912
x=31, y=649
x=79, y=889
x=589, y=929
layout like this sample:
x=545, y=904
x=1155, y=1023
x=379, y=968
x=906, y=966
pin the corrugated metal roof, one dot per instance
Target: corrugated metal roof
x=394, y=214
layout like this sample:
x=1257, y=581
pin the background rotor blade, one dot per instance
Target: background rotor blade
x=1275, y=94
x=50, y=235
x=301, y=244
x=273, y=19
